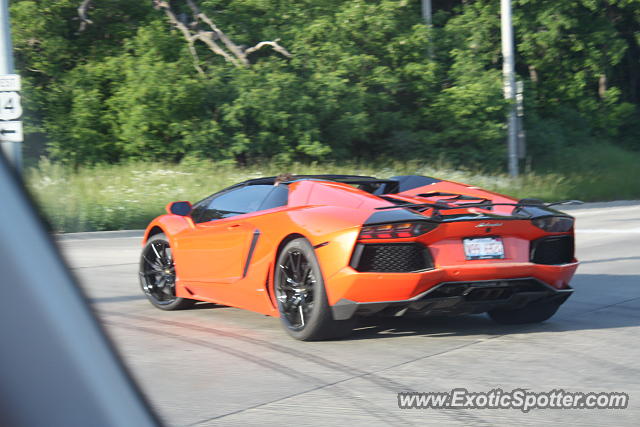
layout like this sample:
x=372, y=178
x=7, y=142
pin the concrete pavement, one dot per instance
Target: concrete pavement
x=218, y=365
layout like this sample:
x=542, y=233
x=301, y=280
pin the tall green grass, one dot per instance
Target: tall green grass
x=127, y=196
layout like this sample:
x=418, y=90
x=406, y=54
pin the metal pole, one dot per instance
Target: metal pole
x=12, y=150
x=427, y=15
x=522, y=135
x=508, y=73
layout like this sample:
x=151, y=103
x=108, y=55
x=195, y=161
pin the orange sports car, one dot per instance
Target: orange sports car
x=320, y=251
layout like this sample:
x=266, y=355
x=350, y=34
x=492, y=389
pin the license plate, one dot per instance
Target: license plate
x=483, y=248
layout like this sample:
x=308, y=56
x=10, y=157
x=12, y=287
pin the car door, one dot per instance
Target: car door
x=217, y=248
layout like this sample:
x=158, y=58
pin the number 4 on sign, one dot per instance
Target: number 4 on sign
x=10, y=108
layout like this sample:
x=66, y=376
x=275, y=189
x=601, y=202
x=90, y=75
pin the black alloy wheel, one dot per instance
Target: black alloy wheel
x=158, y=275
x=301, y=297
x=295, y=292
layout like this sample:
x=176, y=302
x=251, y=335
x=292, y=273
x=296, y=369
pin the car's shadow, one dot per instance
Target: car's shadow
x=206, y=305
x=599, y=302
x=432, y=326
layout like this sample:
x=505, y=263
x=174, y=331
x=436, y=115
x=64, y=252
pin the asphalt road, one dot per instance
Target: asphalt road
x=218, y=365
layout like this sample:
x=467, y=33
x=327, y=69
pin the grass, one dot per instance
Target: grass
x=127, y=196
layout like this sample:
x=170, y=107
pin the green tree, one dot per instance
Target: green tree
x=246, y=80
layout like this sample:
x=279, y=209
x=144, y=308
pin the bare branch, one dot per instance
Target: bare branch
x=602, y=86
x=194, y=55
x=234, y=48
x=207, y=38
x=82, y=15
x=34, y=70
x=173, y=18
x=191, y=38
x=274, y=44
x=211, y=37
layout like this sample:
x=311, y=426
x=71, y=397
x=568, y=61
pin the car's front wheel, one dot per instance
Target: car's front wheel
x=301, y=296
x=158, y=275
x=535, y=312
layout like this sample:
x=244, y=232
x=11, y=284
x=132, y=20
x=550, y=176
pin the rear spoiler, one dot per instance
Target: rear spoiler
x=535, y=208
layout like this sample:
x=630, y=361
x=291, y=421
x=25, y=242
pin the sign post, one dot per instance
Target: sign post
x=427, y=15
x=10, y=109
x=508, y=73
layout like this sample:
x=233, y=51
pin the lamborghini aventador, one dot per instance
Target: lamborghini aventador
x=321, y=251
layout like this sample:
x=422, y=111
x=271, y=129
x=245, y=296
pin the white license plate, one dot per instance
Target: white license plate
x=483, y=248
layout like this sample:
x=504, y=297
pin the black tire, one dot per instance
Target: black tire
x=158, y=277
x=301, y=296
x=535, y=312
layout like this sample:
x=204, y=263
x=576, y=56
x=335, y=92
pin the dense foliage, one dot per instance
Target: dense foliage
x=366, y=79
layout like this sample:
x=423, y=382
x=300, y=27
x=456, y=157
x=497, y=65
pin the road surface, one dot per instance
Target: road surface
x=216, y=365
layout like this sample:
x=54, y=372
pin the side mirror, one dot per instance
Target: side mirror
x=179, y=208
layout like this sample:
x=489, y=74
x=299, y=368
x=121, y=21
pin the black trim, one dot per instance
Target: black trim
x=553, y=250
x=467, y=217
x=367, y=184
x=412, y=258
x=357, y=254
x=535, y=212
x=254, y=242
x=520, y=211
x=391, y=216
x=406, y=215
x=180, y=208
x=454, y=197
x=384, y=185
x=389, y=185
x=431, y=302
x=323, y=244
x=410, y=182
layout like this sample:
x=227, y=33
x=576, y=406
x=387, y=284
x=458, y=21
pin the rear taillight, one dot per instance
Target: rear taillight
x=554, y=224
x=395, y=231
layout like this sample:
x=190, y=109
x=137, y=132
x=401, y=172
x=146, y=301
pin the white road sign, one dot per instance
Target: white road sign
x=10, y=108
x=10, y=82
x=11, y=131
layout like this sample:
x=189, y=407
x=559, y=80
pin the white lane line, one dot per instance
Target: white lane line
x=608, y=231
x=103, y=265
x=584, y=212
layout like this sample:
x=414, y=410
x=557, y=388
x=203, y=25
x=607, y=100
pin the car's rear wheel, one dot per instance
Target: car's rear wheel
x=158, y=275
x=301, y=296
x=534, y=312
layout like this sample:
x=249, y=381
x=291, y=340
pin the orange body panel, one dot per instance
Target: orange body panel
x=230, y=261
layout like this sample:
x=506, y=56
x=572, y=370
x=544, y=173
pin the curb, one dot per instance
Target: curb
x=99, y=235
